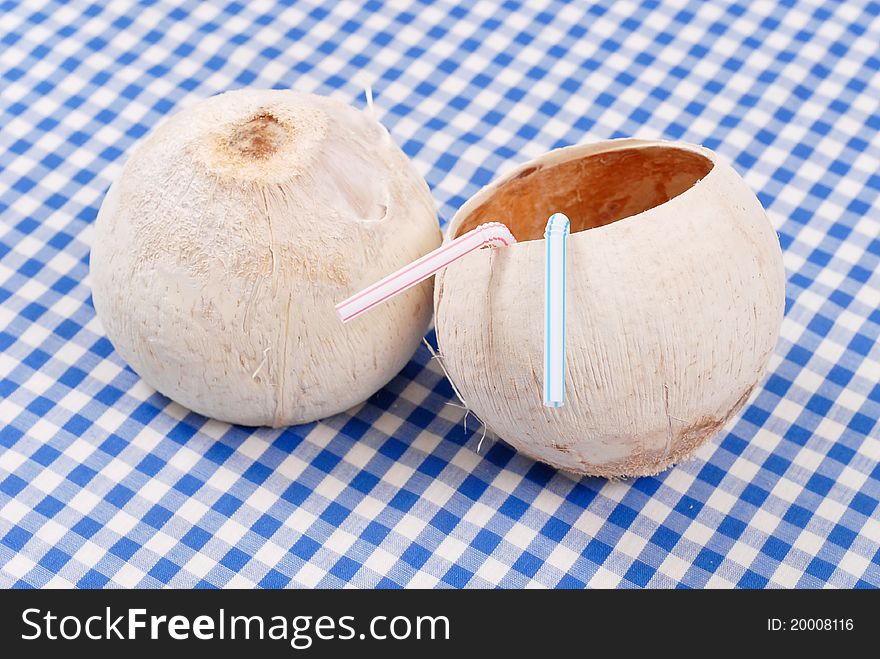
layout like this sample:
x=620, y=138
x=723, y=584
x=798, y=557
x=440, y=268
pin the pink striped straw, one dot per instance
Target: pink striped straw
x=492, y=234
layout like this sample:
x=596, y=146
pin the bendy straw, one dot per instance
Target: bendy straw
x=555, y=235
x=490, y=234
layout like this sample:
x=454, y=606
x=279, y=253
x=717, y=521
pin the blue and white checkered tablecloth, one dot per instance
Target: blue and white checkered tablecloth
x=104, y=482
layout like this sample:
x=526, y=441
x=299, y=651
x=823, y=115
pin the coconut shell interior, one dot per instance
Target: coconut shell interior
x=592, y=191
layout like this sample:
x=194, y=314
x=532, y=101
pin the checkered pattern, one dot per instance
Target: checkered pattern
x=103, y=482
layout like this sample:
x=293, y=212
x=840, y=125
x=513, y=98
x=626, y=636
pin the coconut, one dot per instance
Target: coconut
x=675, y=298
x=234, y=228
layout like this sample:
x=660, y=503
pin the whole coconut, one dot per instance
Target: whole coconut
x=234, y=228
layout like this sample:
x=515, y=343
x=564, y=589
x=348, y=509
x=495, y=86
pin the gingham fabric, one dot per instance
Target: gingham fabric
x=105, y=483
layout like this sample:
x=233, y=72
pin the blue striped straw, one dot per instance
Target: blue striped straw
x=556, y=237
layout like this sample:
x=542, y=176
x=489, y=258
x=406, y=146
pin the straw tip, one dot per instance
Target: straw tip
x=558, y=224
x=553, y=403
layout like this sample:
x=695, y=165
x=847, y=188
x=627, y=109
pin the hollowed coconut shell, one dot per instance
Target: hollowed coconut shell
x=675, y=299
